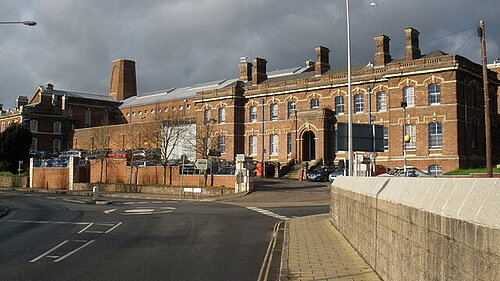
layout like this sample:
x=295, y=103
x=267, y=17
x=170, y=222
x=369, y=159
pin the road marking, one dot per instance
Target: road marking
x=140, y=211
x=74, y=201
x=49, y=251
x=111, y=229
x=268, y=213
x=49, y=222
x=85, y=228
x=51, y=197
x=109, y=211
x=74, y=251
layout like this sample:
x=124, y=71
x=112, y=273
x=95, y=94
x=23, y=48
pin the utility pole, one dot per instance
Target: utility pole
x=487, y=121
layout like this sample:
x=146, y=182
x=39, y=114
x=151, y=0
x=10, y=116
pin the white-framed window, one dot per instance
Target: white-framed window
x=273, y=144
x=386, y=138
x=221, y=144
x=206, y=116
x=252, y=145
x=289, y=143
x=274, y=111
x=358, y=103
x=434, y=91
x=409, y=96
x=222, y=115
x=314, y=103
x=56, y=145
x=411, y=131
x=435, y=135
x=206, y=145
x=33, y=126
x=339, y=104
x=292, y=106
x=88, y=117
x=435, y=170
x=253, y=114
x=381, y=101
x=57, y=127
x=34, y=144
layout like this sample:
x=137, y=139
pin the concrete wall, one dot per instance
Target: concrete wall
x=422, y=228
x=164, y=190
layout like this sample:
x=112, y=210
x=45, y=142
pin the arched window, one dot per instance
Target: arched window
x=206, y=116
x=253, y=114
x=273, y=144
x=358, y=103
x=409, y=96
x=434, y=91
x=339, y=104
x=221, y=144
x=435, y=135
x=292, y=106
x=381, y=101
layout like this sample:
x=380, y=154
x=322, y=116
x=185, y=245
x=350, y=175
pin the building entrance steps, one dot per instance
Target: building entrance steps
x=315, y=250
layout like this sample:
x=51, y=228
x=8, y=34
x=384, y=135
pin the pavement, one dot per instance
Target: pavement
x=314, y=250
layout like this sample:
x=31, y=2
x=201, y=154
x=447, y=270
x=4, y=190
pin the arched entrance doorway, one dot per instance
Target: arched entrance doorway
x=308, y=146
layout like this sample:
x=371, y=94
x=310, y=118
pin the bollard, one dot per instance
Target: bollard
x=95, y=190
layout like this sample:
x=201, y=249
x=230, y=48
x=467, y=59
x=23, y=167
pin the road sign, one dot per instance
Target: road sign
x=201, y=164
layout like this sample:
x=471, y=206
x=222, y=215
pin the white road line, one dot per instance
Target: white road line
x=73, y=201
x=268, y=213
x=140, y=211
x=52, y=257
x=85, y=228
x=49, y=251
x=80, y=240
x=48, y=222
x=111, y=229
x=109, y=211
x=94, y=231
x=74, y=251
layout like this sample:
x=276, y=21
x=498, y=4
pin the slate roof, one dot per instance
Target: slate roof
x=91, y=96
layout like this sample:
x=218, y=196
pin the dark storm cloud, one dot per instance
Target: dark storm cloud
x=176, y=43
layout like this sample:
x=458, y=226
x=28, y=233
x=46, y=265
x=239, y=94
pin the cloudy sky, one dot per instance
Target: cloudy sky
x=180, y=42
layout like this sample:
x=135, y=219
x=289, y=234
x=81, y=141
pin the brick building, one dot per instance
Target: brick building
x=290, y=115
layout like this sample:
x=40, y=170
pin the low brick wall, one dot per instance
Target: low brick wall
x=421, y=228
x=50, y=178
x=13, y=181
x=167, y=190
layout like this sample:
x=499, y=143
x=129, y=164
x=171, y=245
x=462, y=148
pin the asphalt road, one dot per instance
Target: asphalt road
x=58, y=237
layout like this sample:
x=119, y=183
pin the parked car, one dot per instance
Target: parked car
x=98, y=153
x=117, y=154
x=335, y=174
x=410, y=172
x=144, y=163
x=320, y=173
x=73, y=153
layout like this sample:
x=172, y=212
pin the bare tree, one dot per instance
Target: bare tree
x=99, y=138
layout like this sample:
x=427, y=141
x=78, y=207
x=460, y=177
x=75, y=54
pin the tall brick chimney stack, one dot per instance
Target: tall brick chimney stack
x=412, y=51
x=245, y=70
x=322, y=60
x=259, y=73
x=382, y=55
x=122, y=83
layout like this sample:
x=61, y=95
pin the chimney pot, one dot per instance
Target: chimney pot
x=21, y=101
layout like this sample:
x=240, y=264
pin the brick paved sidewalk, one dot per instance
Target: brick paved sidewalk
x=317, y=251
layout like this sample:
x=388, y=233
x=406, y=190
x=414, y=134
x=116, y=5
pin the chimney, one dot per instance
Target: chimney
x=64, y=105
x=245, y=70
x=21, y=101
x=412, y=51
x=49, y=87
x=122, y=83
x=259, y=73
x=1, y=107
x=309, y=63
x=382, y=55
x=322, y=61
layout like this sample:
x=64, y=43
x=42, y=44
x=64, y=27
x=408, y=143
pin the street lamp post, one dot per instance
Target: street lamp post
x=406, y=138
x=263, y=145
x=349, y=94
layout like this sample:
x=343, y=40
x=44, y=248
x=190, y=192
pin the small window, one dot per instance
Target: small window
x=381, y=101
x=386, y=138
x=435, y=135
x=435, y=170
x=221, y=144
x=411, y=131
x=33, y=126
x=358, y=103
x=434, y=91
x=274, y=111
x=292, y=107
x=253, y=114
x=88, y=117
x=409, y=96
x=56, y=145
x=222, y=115
x=34, y=144
x=339, y=104
x=273, y=144
x=57, y=127
x=314, y=103
x=252, y=145
x=206, y=116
